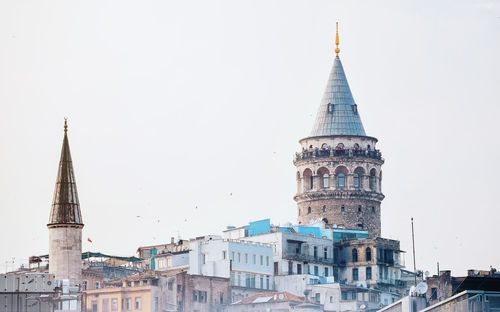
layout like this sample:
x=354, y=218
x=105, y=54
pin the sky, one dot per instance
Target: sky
x=184, y=117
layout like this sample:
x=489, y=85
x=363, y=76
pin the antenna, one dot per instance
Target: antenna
x=413, y=240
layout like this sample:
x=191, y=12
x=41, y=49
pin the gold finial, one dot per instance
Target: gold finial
x=65, y=125
x=337, y=50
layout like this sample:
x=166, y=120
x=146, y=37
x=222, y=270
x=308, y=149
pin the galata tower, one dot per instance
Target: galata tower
x=339, y=168
x=65, y=222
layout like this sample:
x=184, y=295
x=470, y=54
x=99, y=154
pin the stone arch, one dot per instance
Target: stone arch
x=307, y=177
x=357, y=177
x=324, y=175
x=373, y=179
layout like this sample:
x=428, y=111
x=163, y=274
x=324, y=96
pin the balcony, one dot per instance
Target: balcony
x=307, y=258
x=325, y=153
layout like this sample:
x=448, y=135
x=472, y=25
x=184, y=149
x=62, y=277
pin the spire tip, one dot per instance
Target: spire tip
x=337, y=50
x=65, y=125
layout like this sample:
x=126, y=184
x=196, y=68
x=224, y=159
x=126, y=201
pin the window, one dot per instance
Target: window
x=97, y=285
x=114, y=304
x=326, y=272
x=354, y=255
x=434, y=294
x=330, y=107
x=331, y=299
x=138, y=304
x=355, y=274
x=359, y=208
x=267, y=260
x=341, y=180
x=224, y=254
x=373, y=209
x=105, y=305
x=195, y=296
x=372, y=179
x=246, y=258
x=261, y=278
x=261, y=260
x=342, y=208
x=232, y=256
x=318, y=297
x=324, y=208
x=299, y=268
x=311, y=182
x=325, y=252
x=157, y=304
x=204, y=258
x=368, y=254
x=316, y=270
x=368, y=273
x=267, y=282
x=325, y=180
x=129, y=304
x=239, y=257
x=94, y=305
x=308, y=210
x=85, y=285
x=356, y=180
x=254, y=259
x=221, y=298
x=315, y=252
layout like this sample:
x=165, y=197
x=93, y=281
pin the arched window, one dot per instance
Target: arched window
x=354, y=255
x=308, y=179
x=373, y=174
x=324, y=208
x=368, y=254
x=308, y=210
x=356, y=180
x=311, y=182
x=325, y=180
x=341, y=180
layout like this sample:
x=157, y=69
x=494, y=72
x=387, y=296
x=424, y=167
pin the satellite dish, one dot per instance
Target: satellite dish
x=412, y=289
x=362, y=307
x=421, y=288
x=427, y=273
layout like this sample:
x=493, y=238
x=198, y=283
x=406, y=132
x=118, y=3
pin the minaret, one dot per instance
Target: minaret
x=339, y=169
x=65, y=222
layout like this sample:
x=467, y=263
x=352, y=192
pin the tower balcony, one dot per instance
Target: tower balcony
x=345, y=153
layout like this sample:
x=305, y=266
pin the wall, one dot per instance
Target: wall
x=65, y=253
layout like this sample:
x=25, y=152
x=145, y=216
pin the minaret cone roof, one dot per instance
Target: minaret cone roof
x=65, y=205
x=338, y=113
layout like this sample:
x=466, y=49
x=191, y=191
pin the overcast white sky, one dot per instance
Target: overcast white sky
x=177, y=104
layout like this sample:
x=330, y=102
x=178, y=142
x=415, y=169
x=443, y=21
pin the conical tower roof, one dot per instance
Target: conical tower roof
x=65, y=205
x=338, y=113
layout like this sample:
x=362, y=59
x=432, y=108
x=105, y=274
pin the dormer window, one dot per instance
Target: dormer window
x=330, y=107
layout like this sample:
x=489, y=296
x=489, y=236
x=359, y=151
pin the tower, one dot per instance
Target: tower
x=339, y=169
x=65, y=222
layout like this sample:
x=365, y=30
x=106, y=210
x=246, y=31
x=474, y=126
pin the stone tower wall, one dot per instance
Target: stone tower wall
x=65, y=253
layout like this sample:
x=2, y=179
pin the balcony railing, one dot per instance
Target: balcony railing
x=307, y=258
x=376, y=154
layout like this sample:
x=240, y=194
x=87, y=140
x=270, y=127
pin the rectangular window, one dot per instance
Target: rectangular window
x=355, y=274
x=316, y=270
x=204, y=258
x=368, y=273
x=114, y=304
x=129, y=304
x=318, y=297
x=267, y=260
x=434, y=293
x=254, y=259
x=94, y=305
x=221, y=298
x=267, y=282
x=239, y=279
x=85, y=285
x=232, y=255
x=224, y=254
x=138, y=303
x=170, y=285
x=299, y=268
x=97, y=285
x=246, y=258
x=326, y=272
x=195, y=296
x=157, y=304
x=325, y=253
x=105, y=305
x=261, y=278
x=261, y=260
x=239, y=257
x=315, y=252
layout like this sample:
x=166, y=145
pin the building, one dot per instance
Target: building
x=171, y=260
x=148, y=253
x=442, y=286
x=371, y=262
x=272, y=301
x=247, y=264
x=202, y=293
x=65, y=222
x=339, y=168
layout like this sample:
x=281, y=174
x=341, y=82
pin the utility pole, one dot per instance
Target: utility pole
x=413, y=240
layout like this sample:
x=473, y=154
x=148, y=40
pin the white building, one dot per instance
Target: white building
x=172, y=260
x=247, y=264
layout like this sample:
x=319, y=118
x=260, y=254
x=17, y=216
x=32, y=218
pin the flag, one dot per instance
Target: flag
x=90, y=241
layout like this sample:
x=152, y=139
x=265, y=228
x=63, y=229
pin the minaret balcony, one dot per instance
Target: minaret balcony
x=346, y=153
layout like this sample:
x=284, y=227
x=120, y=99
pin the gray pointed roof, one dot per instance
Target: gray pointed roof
x=65, y=205
x=337, y=114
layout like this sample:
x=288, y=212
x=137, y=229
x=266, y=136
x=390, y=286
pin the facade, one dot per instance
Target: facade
x=339, y=168
x=442, y=286
x=165, y=261
x=247, y=264
x=202, y=293
x=273, y=301
x=148, y=253
x=65, y=222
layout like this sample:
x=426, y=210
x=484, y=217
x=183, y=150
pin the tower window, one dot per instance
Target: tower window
x=342, y=208
x=373, y=209
x=311, y=182
x=341, y=180
x=308, y=210
x=359, y=208
x=330, y=107
x=356, y=180
x=368, y=254
x=354, y=108
x=325, y=180
x=354, y=255
x=324, y=208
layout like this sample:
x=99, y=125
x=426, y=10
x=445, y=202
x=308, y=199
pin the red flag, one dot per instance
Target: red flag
x=90, y=241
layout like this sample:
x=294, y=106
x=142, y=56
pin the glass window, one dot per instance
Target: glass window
x=318, y=297
x=354, y=255
x=138, y=304
x=342, y=208
x=239, y=257
x=356, y=180
x=224, y=254
x=368, y=254
x=324, y=208
x=325, y=180
x=355, y=274
x=326, y=272
x=114, y=304
x=254, y=259
x=261, y=260
x=368, y=273
x=267, y=260
x=308, y=210
x=246, y=258
x=341, y=179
